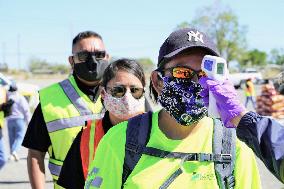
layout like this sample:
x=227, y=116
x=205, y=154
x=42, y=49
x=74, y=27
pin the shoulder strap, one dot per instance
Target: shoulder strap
x=224, y=142
x=137, y=136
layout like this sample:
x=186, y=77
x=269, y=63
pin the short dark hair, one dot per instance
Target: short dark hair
x=84, y=35
x=124, y=64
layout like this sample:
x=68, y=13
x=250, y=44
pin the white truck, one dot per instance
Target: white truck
x=238, y=79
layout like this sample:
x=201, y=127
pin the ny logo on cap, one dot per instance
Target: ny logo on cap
x=197, y=36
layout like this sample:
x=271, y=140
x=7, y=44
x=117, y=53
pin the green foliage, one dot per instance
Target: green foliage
x=147, y=64
x=183, y=25
x=277, y=56
x=255, y=58
x=37, y=65
x=222, y=25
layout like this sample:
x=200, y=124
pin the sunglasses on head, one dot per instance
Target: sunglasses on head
x=120, y=90
x=181, y=72
x=83, y=56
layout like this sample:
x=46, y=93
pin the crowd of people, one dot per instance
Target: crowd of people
x=100, y=132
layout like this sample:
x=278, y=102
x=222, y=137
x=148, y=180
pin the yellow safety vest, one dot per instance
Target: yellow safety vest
x=249, y=90
x=65, y=110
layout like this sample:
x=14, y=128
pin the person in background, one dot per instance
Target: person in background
x=64, y=107
x=264, y=135
x=17, y=119
x=3, y=99
x=122, y=95
x=250, y=93
x=176, y=147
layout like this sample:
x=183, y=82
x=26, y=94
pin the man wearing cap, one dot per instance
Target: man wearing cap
x=175, y=147
x=64, y=107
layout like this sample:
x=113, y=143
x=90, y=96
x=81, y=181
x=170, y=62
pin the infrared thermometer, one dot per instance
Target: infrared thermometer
x=215, y=69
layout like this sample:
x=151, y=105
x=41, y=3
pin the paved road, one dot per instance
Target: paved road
x=14, y=174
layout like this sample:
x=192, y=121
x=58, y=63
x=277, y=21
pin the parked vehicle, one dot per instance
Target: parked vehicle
x=238, y=79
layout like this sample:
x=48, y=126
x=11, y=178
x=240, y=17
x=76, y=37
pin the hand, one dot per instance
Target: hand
x=230, y=108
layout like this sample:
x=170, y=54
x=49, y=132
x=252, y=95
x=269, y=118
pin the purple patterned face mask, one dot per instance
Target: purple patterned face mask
x=181, y=99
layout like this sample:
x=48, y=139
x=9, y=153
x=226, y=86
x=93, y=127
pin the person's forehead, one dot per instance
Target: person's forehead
x=125, y=78
x=89, y=44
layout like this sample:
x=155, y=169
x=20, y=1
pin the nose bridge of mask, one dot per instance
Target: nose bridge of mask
x=128, y=92
x=92, y=63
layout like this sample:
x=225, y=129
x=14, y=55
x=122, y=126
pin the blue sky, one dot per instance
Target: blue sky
x=45, y=29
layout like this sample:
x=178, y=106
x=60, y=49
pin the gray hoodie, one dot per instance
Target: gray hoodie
x=20, y=107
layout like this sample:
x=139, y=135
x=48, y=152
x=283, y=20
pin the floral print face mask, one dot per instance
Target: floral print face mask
x=124, y=107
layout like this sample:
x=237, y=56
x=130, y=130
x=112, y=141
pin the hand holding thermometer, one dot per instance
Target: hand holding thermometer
x=215, y=69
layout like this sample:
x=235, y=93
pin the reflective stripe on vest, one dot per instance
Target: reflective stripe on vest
x=80, y=105
x=90, y=139
x=54, y=169
x=71, y=122
x=74, y=97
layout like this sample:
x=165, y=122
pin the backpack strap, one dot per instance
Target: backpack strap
x=224, y=142
x=201, y=157
x=137, y=136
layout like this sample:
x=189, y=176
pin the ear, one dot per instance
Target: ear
x=71, y=62
x=157, y=82
x=107, y=57
x=103, y=93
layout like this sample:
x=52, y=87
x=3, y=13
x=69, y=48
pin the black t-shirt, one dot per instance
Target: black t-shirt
x=36, y=136
x=71, y=175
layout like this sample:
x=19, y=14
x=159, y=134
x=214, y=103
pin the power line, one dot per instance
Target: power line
x=3, y=52
x=18, y=51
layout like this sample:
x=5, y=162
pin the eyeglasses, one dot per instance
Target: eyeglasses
x=120, y=90
x=184, y=72
x=83, y=56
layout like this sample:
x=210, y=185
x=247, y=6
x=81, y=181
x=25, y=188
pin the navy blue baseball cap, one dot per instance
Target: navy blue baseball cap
x=184, y=39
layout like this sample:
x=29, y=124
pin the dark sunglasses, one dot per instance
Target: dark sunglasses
x=183, y=72
x=83, y=56
x=120, y=90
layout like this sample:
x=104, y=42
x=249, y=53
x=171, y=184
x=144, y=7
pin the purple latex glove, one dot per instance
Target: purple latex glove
x=227, y=101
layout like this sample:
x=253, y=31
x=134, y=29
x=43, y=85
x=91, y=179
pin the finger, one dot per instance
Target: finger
x=203, y=82
x=204, y=92
x=206, y=101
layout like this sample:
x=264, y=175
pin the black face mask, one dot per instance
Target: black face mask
x=91, y=70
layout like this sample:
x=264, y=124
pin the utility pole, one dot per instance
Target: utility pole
x=71, y=30
x=18, y=51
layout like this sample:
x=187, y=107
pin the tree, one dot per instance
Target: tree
x=37, y=65
x=222, y=25
x=146, y=64
x=277, y=56
x=255, y=57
